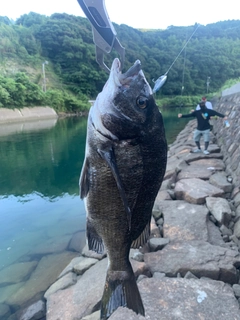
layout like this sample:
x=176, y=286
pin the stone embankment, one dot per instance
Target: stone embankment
x=190, y=267
x=26, y=114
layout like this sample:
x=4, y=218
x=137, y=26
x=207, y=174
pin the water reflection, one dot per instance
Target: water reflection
x=47, y=161
x=42, y=219
x=11, y=128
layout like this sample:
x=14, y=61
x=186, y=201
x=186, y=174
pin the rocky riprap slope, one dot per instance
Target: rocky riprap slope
x=190, y=267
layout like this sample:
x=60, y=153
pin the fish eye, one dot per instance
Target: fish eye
x=142, y=102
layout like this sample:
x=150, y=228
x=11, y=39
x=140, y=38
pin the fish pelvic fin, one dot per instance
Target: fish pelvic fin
x=143, y=238
x=120, y=290
x=95, y=242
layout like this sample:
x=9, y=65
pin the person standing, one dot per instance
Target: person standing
x=208, y=104
x=203, y=126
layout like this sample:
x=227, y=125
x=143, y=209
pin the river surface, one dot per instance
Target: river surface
x=42, y=219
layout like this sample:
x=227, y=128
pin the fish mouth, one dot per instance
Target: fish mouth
x=129, y=75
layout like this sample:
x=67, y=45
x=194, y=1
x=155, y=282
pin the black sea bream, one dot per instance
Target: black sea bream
x=125, y=162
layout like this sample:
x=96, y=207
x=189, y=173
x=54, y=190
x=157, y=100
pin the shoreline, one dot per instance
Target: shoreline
x=26, y=114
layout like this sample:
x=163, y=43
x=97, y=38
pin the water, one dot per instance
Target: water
x=42, y=219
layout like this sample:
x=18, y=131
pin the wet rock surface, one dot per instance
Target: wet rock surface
x=190, y=267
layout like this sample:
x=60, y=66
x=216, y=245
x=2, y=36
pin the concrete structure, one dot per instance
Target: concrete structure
x=25, y=114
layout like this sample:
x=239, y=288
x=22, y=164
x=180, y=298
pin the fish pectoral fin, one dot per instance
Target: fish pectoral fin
x=84, y=182
x=143, y=238
x=107, y=154
x=95, y=242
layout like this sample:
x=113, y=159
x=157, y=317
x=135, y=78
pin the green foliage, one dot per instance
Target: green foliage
x=19, y=91
x=64, y=102
x=73, y=74
x=178, y=101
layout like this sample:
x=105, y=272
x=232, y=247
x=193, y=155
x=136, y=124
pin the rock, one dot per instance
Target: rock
x=156, y=213
x=135, y=254
x=184, y=221
x=210, y=164
x=142, y=276
x=202, y=299
x=154, y=229
x=220, y=209
x=225, y=238
x=160, y=222
x=80, y=299
x=140, y=268
x=69, y=267
x=158, y=275
x=4, y=311
x=8, y=291
x=238, y=211
x=34, y=312
x=194, y=171
x=91, y=254
x=225, y=231
x=83, y=264
x=40, y=280
x=236, y=230
x=52, y=245
x=157, y=243
x=78, y=265
x=235, y=240
x=198, y=257
x=93, y=316
x=84, y=297
x=196, y=191
x=164, y=195
x=17, y=272
x=66, y=281
x=78, y=242
x=236, y=289
x=125, y=314
x=189, y=275
x=236, y=199
x=214, y=234
x=219, y=180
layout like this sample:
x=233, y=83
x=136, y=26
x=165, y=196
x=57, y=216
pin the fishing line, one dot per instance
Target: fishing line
x=183, y=75
x=182, y=49
x=162, y=79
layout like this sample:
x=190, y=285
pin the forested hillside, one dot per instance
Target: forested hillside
x=62, y=44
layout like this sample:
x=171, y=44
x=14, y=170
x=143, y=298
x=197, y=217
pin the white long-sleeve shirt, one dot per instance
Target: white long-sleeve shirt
x=208, y=105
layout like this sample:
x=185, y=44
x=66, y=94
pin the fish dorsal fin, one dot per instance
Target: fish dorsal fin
x=107, y=154
x=142, y=239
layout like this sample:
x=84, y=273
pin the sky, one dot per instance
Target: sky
x=150, y=14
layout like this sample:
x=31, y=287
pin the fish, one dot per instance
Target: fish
x=124, y=166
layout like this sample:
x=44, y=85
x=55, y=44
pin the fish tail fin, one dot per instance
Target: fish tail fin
x=120, y=290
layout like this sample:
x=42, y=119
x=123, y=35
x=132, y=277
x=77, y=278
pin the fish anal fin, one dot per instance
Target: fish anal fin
x=84, y=183
x=120, y=290
x=143, y=238
x=95, y=242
